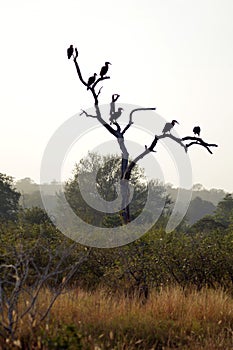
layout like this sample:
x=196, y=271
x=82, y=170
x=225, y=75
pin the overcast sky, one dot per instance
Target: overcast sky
x=176, y=55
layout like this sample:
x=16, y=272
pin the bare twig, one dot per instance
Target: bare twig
x=87, y=115
x=99, y=91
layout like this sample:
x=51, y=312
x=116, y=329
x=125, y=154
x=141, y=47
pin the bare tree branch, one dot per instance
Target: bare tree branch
x=127, y=127
x=199, y=141
x=79, y=71
x=98, y=80
x=99, y=91
x=196, y=141
x=91, y=88
x=88, y=115
x=138, y=110
x=176, y=139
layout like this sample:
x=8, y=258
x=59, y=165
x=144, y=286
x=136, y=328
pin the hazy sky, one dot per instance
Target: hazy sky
x=176, y=55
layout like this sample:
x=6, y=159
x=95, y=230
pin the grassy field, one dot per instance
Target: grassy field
x=170, y=319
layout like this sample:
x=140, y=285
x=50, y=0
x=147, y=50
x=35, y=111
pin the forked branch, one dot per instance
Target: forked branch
x=199, y=141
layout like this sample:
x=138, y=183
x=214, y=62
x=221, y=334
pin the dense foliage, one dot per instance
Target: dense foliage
x=106, y=171
x=34, y=255
x=199, y=255
x=9, y=198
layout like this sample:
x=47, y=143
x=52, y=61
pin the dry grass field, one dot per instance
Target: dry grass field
x=171, y=319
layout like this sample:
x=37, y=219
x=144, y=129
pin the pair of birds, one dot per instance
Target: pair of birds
x=103, y=72
x=70, y=51
x=91, y=80
x=169, y=126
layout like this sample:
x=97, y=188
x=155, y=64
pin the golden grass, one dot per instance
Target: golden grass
x=171, y=318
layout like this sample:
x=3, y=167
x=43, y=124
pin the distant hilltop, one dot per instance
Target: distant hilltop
x=203, y=201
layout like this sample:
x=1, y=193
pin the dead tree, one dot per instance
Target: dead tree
x=118, y=133
x=23, y=281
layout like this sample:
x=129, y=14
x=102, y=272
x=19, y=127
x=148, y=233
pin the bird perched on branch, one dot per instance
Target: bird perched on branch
x=197, y=130
x=91, y=81
x=116, y=115
x=169, y=126
x=70, y=51
x=104, y=69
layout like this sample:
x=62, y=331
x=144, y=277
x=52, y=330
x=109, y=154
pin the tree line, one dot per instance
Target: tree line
x=203, y=201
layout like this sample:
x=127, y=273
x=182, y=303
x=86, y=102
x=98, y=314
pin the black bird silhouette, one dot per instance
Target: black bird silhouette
x=104, y=69
x=169, y=126
x=91, y=81
x=70, y=51
x=116, y=115
x=197, y=130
